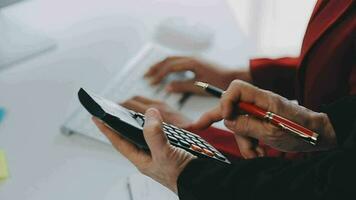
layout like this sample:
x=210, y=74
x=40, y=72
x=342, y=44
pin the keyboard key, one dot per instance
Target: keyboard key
x=208, y=152
x=190, y=141
x=177, y=136
x=184, y=143
x=179, y=131
x=173, y=127
x=168, y=127
x=196, y=148
x=197, y=141
x=191, y=136
x=172, y=139
x=208, y=145
x=172, y=131
x=185, y=136
x=212, y=149
x=201, y=145
x=220, y=157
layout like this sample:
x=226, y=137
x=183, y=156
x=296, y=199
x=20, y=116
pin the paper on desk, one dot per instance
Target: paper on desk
x=3, y=166
x=142, y=187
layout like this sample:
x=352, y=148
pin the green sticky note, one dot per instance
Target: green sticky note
x=4, y=173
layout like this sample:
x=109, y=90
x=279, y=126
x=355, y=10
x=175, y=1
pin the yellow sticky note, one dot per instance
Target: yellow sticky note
x=4, y=173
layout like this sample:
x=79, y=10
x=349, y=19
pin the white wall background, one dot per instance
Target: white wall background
x=276, y=26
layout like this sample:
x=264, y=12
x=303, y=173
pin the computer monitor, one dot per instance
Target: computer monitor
x=18, y=41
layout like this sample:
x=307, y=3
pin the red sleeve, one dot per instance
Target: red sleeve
x=225, y=142
x=277, y=75
x=222, y=140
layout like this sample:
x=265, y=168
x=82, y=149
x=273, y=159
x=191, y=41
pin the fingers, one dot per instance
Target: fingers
x=249, y=126
x=207, y=119
x=243, y=91
x=135, y=106
x=245, y=126
x=153, y=70
x=170, y=66
x=154, y=136
x=248, y=147
x=139, y=103
x=261, y=152
x=145, y=100
x=182, y=86
x=237, y=91
x=129, y=150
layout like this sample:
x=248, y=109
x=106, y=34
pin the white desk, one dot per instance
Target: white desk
x=94, y=39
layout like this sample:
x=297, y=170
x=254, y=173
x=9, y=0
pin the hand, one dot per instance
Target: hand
x=164, y=163
x=247, y=127
x=203, y=71
x=169, y=115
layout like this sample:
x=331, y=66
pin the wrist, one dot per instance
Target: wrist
x=173, y=184
x=242, y=74
x=226, y=76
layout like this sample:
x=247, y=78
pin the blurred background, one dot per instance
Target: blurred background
x=50, y=48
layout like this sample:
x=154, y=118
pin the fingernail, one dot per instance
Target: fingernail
x=151, y=112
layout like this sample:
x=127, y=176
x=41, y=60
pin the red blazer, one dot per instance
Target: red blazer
x=326, y=69
x=324, y=72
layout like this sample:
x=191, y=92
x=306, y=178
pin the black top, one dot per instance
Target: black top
x=326, y=175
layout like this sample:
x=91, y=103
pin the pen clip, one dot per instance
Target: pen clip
x=310, y=139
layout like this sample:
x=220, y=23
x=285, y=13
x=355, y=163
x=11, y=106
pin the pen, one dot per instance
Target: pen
x=285, y=124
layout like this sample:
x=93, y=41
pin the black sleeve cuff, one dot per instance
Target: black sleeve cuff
x=205, y=179
x=342, y=114
x=188, y=184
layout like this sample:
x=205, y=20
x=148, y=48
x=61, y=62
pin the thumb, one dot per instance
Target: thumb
x=152, y=131
x=207, y=119
x=182, y=86
x=248, y=147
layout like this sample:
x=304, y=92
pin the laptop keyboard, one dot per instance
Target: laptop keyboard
x=127, y=83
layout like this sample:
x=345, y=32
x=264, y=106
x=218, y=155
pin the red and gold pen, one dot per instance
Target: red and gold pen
x=285, y=124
